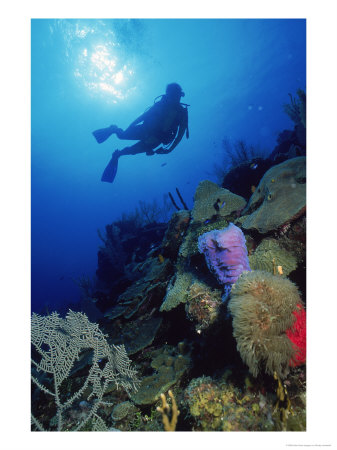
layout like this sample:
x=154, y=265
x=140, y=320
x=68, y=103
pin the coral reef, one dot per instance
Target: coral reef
x=251, y=172
x=134, y=335
x=180, y=198
x=211, y=200
x=160, y=289
x=122, y=410
x=290, y=144
x=112, y=251
x=297, y=335
x=269, y=254
x=296, y=109
x=189, y=246
x=264, y=307
x=239, y=152
x=169, y=366
x=220, y=406
x=192, y=231
x=226, y=253
x=146, y=213
x=146, y=293
x=175, y=234
x=202, y=305
x=169, y=423
x=177, y=291
x=279, y=198
x=169, y=292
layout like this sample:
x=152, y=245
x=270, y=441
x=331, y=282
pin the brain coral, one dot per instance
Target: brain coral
x=210, y=199
x=268, y=322
x=268, y=255
x=279, y=197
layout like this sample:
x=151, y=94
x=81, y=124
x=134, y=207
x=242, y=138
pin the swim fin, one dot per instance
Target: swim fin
x=110, y=171
x=103, y=134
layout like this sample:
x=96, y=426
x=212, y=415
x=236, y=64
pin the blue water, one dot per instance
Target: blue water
x=88, y=74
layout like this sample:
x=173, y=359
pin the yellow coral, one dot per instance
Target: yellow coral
x=169, y=425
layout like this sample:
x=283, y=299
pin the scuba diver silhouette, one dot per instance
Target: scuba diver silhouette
x=163, y=124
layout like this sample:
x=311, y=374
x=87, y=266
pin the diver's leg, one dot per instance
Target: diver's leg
x=140, y=147
x=133, y=150
x=136, y=132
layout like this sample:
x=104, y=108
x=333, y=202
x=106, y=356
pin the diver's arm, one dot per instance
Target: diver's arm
x=182, y=128
x=137, y=121
x=177, y=139
x=181, y=132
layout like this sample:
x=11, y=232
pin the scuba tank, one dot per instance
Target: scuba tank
x=184, y=105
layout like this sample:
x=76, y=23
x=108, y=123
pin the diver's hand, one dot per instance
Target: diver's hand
x=150, y=153
x=162, y=151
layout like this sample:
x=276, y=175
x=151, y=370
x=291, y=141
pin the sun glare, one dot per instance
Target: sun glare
x=103, y=54
x=119, y=77
x=82, y=32
x=101, y=70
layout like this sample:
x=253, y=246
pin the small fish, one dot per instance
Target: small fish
x=216, y=205
x=223, y=204
x=253, y=189
x=164, y=164
x=253, y=166
x=207, y=221
x=161, y=258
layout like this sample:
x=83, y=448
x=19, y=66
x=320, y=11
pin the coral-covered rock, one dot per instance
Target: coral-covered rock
x=211, y=200
x=146, y=293
x=270, y=256
x=175, y=234
x=243, y=178
x=279, y=198
x=177, y=291
x=169, y=365
x=135, y=335
x=202, y=305
x=221, y=406
x=122, y=410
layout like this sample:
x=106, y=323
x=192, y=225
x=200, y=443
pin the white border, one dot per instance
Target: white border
x=15, y=231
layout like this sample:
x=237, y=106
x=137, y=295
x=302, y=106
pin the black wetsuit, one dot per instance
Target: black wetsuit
x=161, y=123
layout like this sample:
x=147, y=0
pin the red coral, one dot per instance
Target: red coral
x=297, y=335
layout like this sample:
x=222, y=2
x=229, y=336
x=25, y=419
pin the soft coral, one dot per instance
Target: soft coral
x=297, y=335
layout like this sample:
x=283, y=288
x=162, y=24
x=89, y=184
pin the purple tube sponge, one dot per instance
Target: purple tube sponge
x=225, y=253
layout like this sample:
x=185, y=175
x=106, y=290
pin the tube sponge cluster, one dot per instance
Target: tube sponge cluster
x=268, y=322
x=226, y=253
